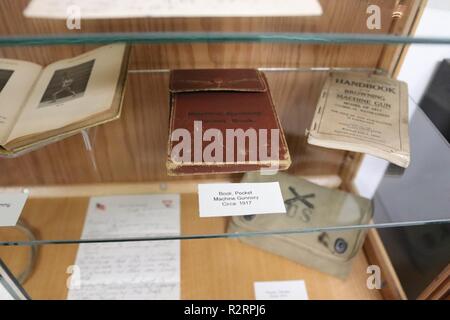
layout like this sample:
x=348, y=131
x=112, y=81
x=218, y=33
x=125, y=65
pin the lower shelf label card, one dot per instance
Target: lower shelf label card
x=281, y=290
x=11, y=206
x=235, y=199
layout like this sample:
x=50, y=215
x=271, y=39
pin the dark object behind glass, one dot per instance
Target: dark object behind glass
x=436, y=100
x=419, y=254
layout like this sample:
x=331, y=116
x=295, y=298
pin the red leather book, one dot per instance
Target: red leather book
x=223, y=121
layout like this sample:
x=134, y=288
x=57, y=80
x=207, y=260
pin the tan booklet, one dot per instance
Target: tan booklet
x=363, y=113
x=41, y=104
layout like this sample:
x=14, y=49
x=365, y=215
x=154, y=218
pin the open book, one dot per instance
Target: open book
x=363, y=113
x=39, y=105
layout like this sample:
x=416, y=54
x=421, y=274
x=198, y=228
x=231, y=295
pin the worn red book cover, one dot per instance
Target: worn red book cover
x=223, y=121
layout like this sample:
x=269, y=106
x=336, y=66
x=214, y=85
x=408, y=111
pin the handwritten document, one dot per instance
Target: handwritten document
x=129, y=270
x=98, y=9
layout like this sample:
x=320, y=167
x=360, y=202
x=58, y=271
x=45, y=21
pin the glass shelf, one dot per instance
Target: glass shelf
x=127, y=156
x=195, y=37
x=60, y=221
x=107, y=159
x=340, y=22
x=56, y=213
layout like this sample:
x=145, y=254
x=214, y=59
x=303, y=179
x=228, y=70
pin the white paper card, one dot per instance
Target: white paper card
x=281, y=290
x=130, y=270
x=98, y=9
x=4, y=294
x=11, y=206
x=236, y=199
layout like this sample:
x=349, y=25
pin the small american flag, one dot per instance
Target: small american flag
x=100, y=206
x=167, y=203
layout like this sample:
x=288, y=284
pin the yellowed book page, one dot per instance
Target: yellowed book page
x=16, y=80
x=71, y=90
x=363, y=113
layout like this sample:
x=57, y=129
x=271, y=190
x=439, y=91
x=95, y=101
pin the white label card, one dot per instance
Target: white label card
x=98, y=9
x=11, y=206
x=236, y=199
x=281, y=290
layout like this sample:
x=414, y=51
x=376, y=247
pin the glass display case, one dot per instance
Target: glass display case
x=65, y=180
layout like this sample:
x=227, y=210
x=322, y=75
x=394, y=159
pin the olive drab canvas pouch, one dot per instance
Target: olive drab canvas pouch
x=304, y=233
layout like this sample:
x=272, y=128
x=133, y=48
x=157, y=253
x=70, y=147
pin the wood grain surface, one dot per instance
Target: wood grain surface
x=133, y=148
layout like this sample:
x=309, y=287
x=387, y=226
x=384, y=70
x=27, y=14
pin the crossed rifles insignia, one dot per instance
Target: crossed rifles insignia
x=292, y=206
x=292, y=202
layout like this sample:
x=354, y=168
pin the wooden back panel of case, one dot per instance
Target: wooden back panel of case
x=133, y=149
